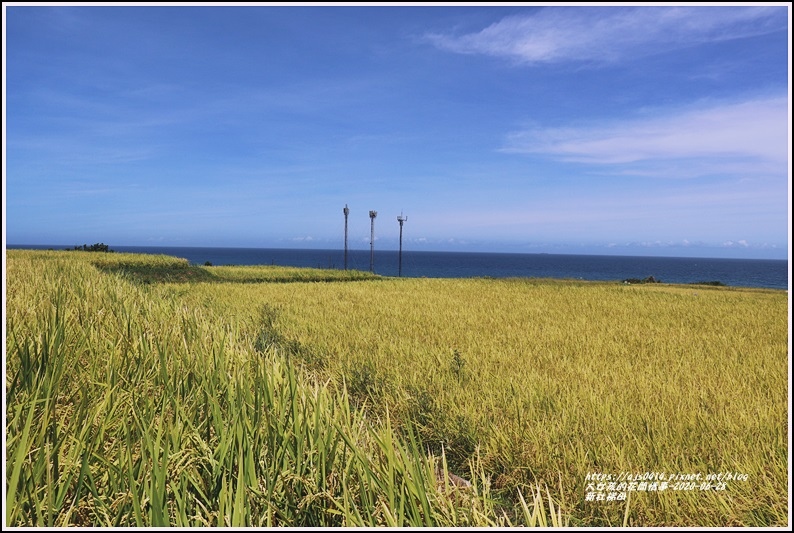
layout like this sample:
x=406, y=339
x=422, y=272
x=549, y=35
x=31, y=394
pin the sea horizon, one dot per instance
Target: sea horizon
x=760, y=273
x=127, y=247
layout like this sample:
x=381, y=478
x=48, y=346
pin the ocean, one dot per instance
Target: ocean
x=765, y=273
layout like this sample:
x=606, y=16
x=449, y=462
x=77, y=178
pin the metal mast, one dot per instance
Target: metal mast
x=401, y=219
x=372, y=215
x=346, y=211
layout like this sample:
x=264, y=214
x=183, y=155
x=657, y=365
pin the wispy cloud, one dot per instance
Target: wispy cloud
x=685, y=243
x=609, y=34
x=731, y=138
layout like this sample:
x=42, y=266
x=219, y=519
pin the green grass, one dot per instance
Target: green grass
x=145, y=391
x=164, y=269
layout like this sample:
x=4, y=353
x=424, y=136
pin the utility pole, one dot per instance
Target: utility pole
x=401, y=219
x=346, y=211
x=372, y=215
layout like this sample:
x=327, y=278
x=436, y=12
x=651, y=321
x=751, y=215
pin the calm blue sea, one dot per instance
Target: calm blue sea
x=769, y=273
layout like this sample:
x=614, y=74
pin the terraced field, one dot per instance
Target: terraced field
x=144, y=391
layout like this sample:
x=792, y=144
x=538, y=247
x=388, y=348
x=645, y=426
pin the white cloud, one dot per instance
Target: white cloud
x=608, y=34
x=685, y=243
x=738, y=138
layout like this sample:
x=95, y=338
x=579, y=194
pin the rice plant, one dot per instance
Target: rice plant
x=547, y=379
x=128, y=404
x=142, y=391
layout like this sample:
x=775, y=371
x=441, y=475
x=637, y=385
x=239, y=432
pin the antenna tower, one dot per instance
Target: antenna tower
x=372, y=215
x=401, y=219
x=346, y=211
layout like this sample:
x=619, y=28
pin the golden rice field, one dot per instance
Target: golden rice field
x=143, y=391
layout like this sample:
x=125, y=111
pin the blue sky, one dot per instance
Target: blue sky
x=608, y=130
